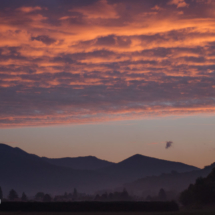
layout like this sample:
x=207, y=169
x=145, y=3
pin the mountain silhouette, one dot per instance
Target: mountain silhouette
x=30, y=173
x=173, y=181
x=139, y=166
x=81, y=163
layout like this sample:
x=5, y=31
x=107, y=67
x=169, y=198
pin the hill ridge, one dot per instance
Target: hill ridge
x=30, y=173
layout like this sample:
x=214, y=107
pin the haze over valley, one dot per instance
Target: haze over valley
x=138, y=173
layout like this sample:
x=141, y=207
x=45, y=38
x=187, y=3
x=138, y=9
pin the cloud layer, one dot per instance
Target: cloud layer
x=90, y=60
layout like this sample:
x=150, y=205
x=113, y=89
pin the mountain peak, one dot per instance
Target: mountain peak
x=2, y=145
x=137, y=157
x=7, y=147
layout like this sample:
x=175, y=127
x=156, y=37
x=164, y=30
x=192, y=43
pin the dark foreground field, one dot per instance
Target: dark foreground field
x=89, y=207
x=113, y=213
x=97, y=208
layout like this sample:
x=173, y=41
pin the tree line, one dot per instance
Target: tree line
x=200, y=193
x=73, y=196
x=40, y=196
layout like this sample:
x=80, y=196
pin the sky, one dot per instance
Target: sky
x=109, y=78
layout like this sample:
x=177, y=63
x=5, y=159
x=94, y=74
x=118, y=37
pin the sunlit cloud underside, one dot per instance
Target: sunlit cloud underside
x=83, y=61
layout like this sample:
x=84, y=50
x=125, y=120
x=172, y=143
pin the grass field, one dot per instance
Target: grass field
x=111, y=213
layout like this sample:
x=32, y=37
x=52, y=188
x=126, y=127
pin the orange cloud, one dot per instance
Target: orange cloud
x=105, y=60
x=178, y=3
x=100, y=9
x=28, y=9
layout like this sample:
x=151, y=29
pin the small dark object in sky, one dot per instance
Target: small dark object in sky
x=168, y=144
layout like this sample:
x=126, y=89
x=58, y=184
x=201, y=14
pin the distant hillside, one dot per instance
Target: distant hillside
x=139, y=166
x=173, y=181
x=26, y=172
x=81, y=163
x=30, y=173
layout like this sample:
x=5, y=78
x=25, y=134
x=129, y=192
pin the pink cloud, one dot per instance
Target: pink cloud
x=178, y=3
x=105, y=60
x=29, y=9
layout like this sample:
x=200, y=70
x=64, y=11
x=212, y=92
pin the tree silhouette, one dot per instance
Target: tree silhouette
x=202, y=192
x=24, y=197
x=162, y=195
x=1, y=194
x=148, y=198
x=47, y=198
x=97, y=198
x=124, y=196
x=66, y=195
x=104, y=197
x=75, y=194
x=39, y=196
x=13, y=195
x=116, y=196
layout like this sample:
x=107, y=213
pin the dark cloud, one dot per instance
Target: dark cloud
x=107, y=41
x=44, y=39
x=53, y=4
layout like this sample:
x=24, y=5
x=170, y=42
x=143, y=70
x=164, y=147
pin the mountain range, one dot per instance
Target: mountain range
x=81, y=163
x=173, y=181
x=30, y=173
